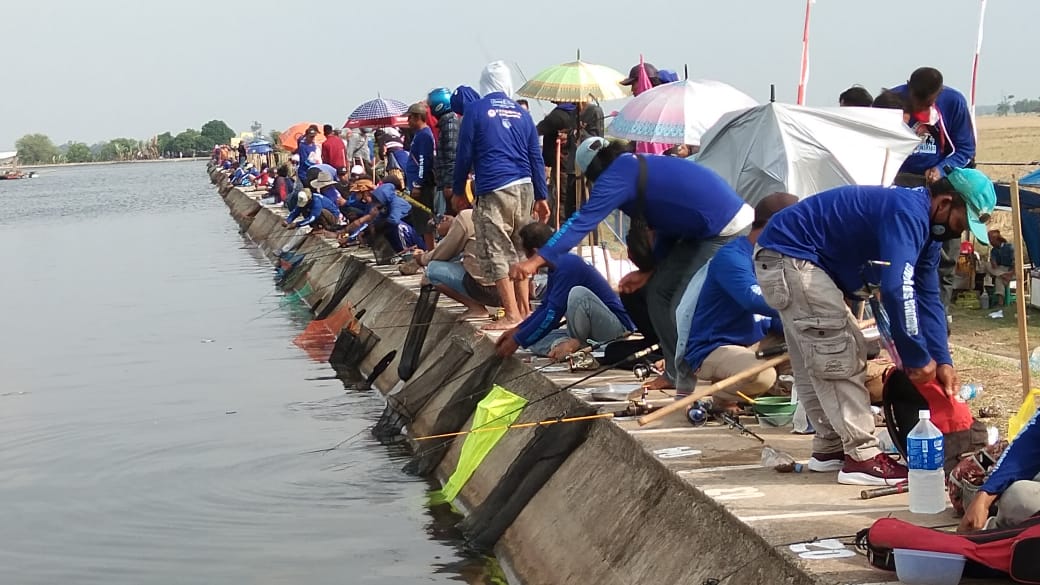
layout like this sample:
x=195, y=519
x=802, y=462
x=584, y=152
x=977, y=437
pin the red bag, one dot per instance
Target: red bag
x=1011, y=552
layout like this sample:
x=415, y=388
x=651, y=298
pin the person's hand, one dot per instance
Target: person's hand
x=506, y=345
x=947, y=376
x=977, y=513
x=922, y=375
x=932, y=175
x=526, y=269
x=634, y=281
x=417, y=255
x=541, y=210
x=351, y=226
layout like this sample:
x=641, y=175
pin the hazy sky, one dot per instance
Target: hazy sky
x=90, y=70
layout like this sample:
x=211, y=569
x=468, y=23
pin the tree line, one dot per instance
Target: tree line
x=40, y=149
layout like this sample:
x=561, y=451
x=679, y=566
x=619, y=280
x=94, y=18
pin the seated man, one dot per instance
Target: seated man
x=574, y=290
x=1001, y=266
x=462, y=281
x=387, y=213
x=731, y=316
x=320, y=211
x=1013, y=484
x=280, y=188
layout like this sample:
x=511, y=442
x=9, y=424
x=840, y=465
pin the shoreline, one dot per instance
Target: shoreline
x=113, y=162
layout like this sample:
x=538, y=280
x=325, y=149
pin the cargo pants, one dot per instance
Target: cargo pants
x=828, y=353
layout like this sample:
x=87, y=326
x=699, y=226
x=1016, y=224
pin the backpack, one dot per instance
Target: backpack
x=638, y=240
x=901, y=401
x=1000, y=553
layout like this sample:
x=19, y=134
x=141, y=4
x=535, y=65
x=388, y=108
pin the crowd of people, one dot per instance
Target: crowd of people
x=465, y=189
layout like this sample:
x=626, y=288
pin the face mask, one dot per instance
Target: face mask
x=941, y=231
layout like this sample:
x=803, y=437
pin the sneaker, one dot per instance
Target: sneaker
x=881, y=470
x=824, y=462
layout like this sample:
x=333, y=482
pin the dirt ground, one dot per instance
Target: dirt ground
x=1008, y=139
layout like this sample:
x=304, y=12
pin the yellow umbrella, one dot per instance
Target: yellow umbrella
x=575, y=82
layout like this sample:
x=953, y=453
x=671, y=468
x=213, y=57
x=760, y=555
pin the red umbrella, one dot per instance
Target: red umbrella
x=395, y=121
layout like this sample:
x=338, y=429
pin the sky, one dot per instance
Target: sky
x=100, y=69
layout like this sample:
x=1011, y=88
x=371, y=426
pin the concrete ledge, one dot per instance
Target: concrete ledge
x=619, y=510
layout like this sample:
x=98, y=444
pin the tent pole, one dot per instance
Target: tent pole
x=1020, y=298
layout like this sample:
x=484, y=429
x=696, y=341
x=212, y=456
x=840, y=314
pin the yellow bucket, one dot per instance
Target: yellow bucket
x=1024, y=414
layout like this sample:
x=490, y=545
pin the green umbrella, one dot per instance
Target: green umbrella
x=575, y=82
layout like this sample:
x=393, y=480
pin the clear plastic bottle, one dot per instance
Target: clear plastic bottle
x=924, y=447
x=969, y=392
x=1034, y=364
x=779, y=461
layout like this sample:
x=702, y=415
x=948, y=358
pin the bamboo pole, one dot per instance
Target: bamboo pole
x=1020, y=297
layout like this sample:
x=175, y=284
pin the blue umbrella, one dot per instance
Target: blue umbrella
x=377, y=109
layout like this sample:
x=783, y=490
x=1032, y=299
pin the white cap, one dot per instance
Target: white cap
x=924, y=415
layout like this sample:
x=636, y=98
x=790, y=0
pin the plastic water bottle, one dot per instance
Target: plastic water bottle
x=1034, y=364
x=984, y=300
x=969, y=392
x=779, y=461
x=924, y=447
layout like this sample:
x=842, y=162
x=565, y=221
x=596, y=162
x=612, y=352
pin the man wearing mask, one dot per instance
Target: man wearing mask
x=816, y=254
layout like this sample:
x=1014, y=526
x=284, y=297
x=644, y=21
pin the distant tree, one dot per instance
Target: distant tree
x=215, y=132
x=163, y=143
x=78, y=152
x=187, y=143
x=124, y=148
x=36, y=149
x=1027, y=106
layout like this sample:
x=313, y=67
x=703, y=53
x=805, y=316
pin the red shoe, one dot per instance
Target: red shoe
x=824, y=462
x=881, y=470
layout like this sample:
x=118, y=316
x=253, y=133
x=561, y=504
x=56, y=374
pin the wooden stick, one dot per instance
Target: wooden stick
x=1020, y=298
x=717, y=386
x=559, y=148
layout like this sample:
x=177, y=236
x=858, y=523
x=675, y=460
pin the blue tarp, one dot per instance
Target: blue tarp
x=1032, y=179
x=259, y=147
x=1030, y=201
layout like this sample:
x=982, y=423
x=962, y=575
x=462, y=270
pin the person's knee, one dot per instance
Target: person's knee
x=578, y=295
x=1019, y=501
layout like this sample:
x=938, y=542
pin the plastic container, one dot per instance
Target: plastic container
x=984, y=300
x=924, y=449
x=777, y=411
x=920, y=567
x=779, y=461
x=969, y=392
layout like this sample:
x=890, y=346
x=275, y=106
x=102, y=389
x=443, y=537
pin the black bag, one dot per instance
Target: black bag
x=640, y=245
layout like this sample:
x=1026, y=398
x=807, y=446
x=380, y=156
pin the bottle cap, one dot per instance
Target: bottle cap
x=924, y=415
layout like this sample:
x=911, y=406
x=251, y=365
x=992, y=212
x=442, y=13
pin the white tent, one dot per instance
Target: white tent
x=7, y=157
x=800, y=150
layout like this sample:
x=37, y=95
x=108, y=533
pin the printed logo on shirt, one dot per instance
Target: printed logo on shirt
x=909, y=302
x=492, y=113
x=506, y=124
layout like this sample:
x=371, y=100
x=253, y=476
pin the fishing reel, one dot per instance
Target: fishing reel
x=700, y=412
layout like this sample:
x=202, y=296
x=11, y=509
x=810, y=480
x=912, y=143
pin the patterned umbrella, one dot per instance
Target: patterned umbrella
x=574, y=82
x=679, y=112
x=377, y=109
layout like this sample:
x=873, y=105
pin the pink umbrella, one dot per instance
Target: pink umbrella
x=679, y=112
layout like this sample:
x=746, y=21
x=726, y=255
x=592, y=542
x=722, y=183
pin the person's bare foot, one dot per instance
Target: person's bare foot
x=659, y=383
x=501, y=325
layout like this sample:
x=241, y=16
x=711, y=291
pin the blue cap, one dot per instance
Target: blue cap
x=587, y=151
x=976, y=189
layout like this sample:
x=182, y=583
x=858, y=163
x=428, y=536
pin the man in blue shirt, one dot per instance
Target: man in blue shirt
x=1001, y=266
x=419, y=172
x=574, y=290
x=308, y=151
x=318, y=210
x=1013, y=484
x=692, y=211
x=814, y=255
x=499, y=143
x=941, y=117
x=388, y=214
x=732, y=317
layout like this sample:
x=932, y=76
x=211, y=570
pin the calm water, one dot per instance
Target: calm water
x=154, y=414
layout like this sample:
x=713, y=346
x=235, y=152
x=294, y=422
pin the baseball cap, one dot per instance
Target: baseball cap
x=633, y=73
x=303, y=198
x=976, y=189
x=418, y=109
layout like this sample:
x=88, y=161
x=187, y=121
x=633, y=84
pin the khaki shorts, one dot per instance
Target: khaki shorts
x=497, y=219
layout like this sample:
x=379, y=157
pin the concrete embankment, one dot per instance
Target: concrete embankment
x=673, y=504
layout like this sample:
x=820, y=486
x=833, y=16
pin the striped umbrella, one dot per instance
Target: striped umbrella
x=679, y=112
x=574, y=82
x=377, y=109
